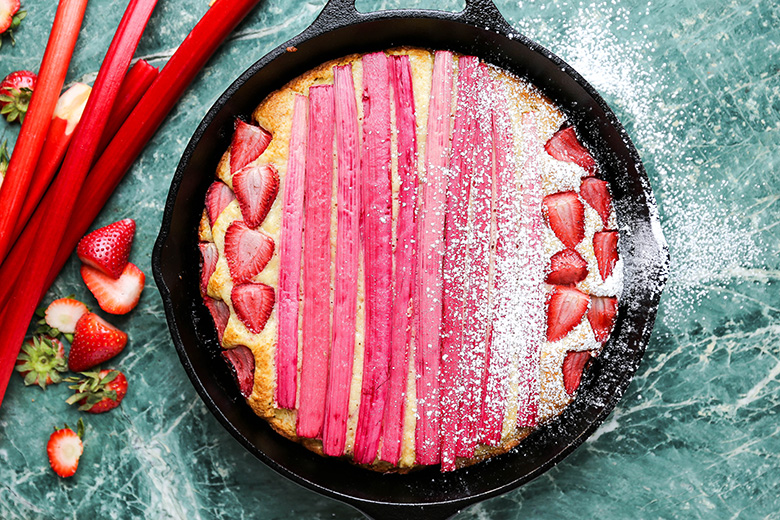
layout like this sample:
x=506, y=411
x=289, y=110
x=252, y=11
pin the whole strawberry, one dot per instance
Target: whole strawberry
x=41, y=360
x=108, y=249
x=65, y=448
x=10, y=18
x=94, y=342
x=15, y=93
x=98, y=392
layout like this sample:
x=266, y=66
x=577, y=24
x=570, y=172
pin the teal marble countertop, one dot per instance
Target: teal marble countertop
x=695, y=83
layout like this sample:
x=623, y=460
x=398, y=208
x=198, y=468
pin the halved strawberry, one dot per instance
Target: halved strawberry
x=209, y=257
x=249, y=142
x=107, y=249
x=565, y=146
x=566, y=216
x=247, y=251
x=242, y=361
x=64, y=449
x=98, y=392
x=596, y=193
x=567, y=267
x=63, y=314
x=573, y=365
x=253, y=303
x=220, y=313
x=605, y=249
x=218, y=196
x=94, y=342
x=256, y=188
x=565, y=310
x=41, y=361
x=601, y=316
x=8, y=9
x=115, y=296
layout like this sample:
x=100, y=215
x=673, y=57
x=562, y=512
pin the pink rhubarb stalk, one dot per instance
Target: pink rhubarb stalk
x=316, y=262
x=342, y=350
x=377, y=227
x=430, y=255
x=462, y=165
x=405, y=258
x=290, y=259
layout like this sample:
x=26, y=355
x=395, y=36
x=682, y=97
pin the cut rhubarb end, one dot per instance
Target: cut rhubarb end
x=347, y=243
x=430, y=284
x=290, y=259
x=242, y=363
x=316, y=262
x=249, y=142
x=565, y=146
x=71, y=105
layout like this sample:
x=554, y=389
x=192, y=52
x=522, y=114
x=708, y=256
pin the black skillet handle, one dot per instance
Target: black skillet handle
x=402, y=512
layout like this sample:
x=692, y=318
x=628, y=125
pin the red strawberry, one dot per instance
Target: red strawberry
x=253, y=303
x=41, y=361
x=566, y=217
x=565, y=146
x=8, y=9
x=601, y=316
x=605, y=249
x=107, y=249
x=94, y=342
x=565, y=310
x=64, y=449
x=247, y=251
x=242, y=362
x=16, y=91
x=64, y=313
x=209, y=256
x=256, y=188
x=596, y=193
x=98, y=392
x=220, y=313
x=567, y=267
x=115, y=296
x=573, y=365
x=249, y=142
x=218, y=197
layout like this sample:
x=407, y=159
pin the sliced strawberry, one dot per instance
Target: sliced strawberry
x=94, y=342
x=98, y=392
x=107, y=249
x=565, y=310
x=218, y=196
x=209, y=257
x=565, y=146
x=596, y=193
x=253, y=303
x=605, y=249
x=249, y=142
x=64, y=313
x=256, y=188
x=8, y=9
x=41, y=361
x=601, y=316
x=567, y=267
x=242, y=362
x=115, y=296
x=220, y=313
x=566, y=216
x=247, y=251
x=64, y=449
x=573, y=365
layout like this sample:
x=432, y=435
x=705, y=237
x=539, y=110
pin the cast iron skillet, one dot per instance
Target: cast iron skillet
x=478, y=30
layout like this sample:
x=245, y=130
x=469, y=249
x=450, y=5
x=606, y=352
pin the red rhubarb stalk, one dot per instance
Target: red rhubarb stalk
x=532, y=322
x=477, y=309
x=347, y=243
x=316, y=262
x=431, y=253
x=455, y=282
x=28, y=147
x=377, y=226
x=405, y=257
x=64, y=190
x=290, y=259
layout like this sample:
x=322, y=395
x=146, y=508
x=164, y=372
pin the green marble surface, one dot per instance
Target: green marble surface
x=695, y=83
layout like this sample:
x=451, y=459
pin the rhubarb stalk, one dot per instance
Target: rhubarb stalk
x=290, y=259
x=376, y=193
x=431, y=253
x=316, y=262
x=347, y=242
x=405, y=258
